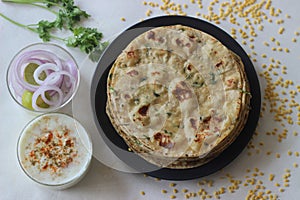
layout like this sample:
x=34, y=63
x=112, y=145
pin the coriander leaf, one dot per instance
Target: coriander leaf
x=59, y=21
x=71, y=15
x=43, y=28
x=50, y=3
x=85, y=38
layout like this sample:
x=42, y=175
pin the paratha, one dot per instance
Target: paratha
x=177, y=96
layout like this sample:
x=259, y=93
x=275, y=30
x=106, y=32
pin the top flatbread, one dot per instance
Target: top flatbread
x=176, y=94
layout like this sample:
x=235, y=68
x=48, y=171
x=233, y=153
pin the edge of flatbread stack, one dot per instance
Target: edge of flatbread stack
x=177, y=96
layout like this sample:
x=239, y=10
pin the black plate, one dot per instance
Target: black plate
x=117, y=144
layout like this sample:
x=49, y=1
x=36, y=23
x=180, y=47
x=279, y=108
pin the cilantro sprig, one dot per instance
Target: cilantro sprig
x=68, y=17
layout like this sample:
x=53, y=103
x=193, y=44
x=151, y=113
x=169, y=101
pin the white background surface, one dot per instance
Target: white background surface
x=105, y=183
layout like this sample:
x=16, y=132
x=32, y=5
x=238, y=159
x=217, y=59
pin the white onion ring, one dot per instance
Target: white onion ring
x=35, y=54
x=46, y=67
x=69, y=90
x=19, y=82
x=41, y=91
x=47, y=101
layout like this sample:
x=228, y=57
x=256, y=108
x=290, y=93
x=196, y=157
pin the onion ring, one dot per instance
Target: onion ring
x=42, y=91
x=45, y=67
x=70, y=66
x=35, y=54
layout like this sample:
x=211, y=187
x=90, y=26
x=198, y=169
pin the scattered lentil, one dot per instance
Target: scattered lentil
x=185, y=190
x=164, y=191
x=172, y=184
x=296, y=165
x=271, y=177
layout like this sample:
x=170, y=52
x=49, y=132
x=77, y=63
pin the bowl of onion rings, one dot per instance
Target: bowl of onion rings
x=43, y=77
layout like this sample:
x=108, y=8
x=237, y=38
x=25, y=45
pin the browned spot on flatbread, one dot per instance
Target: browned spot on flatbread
x=130, y=54
x=143, y=110
x=219, y=64
x=163, y=140
x=199, y=137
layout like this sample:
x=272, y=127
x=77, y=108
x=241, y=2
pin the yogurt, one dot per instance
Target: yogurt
x=54, y=150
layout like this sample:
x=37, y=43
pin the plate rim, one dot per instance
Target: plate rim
x=229, y=42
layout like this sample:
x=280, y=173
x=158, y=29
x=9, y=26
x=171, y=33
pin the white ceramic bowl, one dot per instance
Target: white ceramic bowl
x=54, y=150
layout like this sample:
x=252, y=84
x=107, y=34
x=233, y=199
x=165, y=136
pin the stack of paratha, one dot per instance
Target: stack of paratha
x=177, y=96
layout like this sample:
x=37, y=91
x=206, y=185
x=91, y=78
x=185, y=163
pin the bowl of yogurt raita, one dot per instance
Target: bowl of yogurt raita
x=54, y=150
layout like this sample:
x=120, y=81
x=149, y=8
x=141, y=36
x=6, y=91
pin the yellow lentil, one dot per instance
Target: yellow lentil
x=172, y=184
x=295, y=133
x=185, y=190
x=148, y=13
x=272, y=39
x=187, y=196
x=271, y=177
x=295, y=165
x=286, y=185
x=281, y=190
x=164, y=191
